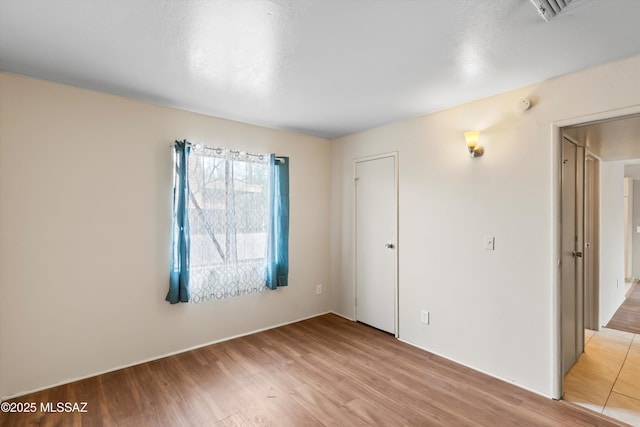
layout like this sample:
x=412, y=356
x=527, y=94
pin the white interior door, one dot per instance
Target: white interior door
x=376, y=241
x=572, y=246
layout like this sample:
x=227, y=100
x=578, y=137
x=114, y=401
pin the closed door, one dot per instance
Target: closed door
x=572, y=223
x=376, y=242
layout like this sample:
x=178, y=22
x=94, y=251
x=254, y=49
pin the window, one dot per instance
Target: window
x=230, y=223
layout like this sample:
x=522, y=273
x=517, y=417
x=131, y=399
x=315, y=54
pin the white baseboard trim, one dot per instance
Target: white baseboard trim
x=342, y=315
x=477, y=370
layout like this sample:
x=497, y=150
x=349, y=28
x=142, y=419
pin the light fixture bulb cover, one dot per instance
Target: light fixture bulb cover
x=475, y=149
x=471, y=138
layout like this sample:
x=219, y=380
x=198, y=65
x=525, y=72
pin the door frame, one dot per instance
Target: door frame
x=557, y=378
x=592, y=242
x=394, y=155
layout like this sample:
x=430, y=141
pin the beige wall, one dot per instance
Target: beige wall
x=85, y=200
x=85, y=195
x=493, y=311
x=635, y=223
x=611, y=275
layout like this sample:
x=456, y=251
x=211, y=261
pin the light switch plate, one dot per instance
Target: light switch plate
x=489, y=243
x=424, y=317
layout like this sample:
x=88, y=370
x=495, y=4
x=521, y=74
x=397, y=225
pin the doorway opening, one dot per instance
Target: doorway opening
x=600, y=282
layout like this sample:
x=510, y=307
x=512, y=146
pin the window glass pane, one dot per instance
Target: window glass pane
x=228, y=217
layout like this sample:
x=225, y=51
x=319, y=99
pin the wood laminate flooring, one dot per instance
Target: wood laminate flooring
x=325, y=371
x=627, y=317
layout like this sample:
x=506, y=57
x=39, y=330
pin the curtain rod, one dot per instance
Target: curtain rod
x=219, y=151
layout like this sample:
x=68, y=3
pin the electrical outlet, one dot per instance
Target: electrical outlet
x=318, y=289
x=424, y=317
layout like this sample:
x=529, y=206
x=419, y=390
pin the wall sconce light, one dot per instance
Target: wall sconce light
x=475, y=149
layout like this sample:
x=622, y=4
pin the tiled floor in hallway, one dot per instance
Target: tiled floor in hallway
x=606, y=378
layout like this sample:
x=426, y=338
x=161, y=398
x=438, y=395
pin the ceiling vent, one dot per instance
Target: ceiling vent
x=549, y=9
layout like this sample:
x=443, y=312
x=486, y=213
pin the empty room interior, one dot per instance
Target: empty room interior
x=269, y=212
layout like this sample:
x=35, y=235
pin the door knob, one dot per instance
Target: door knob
x=577, y=254
x=389, y=245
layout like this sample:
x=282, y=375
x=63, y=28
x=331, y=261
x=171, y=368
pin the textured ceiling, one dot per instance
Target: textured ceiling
x=325, y=68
